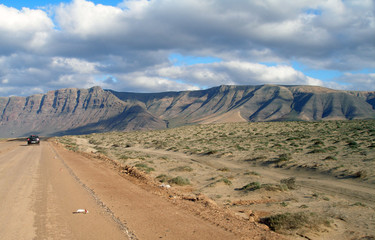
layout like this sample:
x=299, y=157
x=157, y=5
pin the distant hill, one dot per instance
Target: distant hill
x=81, y=111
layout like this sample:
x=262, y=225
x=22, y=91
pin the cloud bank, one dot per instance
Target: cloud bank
x=129, y=47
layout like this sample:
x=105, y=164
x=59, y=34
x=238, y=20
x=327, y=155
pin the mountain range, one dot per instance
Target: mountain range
x=83, y=111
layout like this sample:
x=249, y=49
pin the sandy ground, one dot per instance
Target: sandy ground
x=42, y=185
x=335, y=198
x=39, y=196
x=332, y=164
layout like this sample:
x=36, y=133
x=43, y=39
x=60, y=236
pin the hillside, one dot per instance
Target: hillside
x=70, y=111
x=255, y=103
x=79, y=111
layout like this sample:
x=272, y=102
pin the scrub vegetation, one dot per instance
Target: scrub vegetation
x=267, y=172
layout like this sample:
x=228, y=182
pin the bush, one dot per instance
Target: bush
x=226, y=181
x=179, y=181
x=318, y=150
x=352, y=144
x=284, y=157
x=330, y=158
x=250, y=187
x=318, y=142
x=331, y=148
x=252, y=173
x=289, y=182
x=224, y=169
x=285, y=221
x=293, y=221
x=144, y=167
x=163, y=178
x=360, y=174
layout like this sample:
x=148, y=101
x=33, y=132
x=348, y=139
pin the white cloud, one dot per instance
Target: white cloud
x=234, y=72
x=358, y=81
x=85, y=19
x=26, y=29
x=74, y=65
x=139, y=82
x=80, y=81
x=74, y=43
x=25, y=20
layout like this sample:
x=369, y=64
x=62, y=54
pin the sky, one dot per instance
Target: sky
x=177, y=45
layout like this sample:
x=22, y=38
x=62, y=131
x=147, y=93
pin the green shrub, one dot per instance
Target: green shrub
x=226, y=181
x=124, y=157
x=318, y=150
x=163, y=178
x=250, y=187
x=352, y=144
x=284, y=204
x=330, y=158
x=252, y=173
x=179, y=181
x=284, y=157
x=94, y=142
x=240, y=148
x=331, y=148
x=318, y=142
x=144, y=167
x=293, y=221
x=359, y=204
x=72, y=147
x=289, y=182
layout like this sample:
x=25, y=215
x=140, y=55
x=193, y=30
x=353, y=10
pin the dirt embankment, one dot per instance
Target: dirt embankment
x=150, y=211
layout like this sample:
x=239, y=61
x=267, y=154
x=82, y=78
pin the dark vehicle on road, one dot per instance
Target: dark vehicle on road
x=33, y=139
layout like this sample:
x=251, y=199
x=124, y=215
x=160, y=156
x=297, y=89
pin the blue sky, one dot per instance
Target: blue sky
x=19, y=4
x=163, y=45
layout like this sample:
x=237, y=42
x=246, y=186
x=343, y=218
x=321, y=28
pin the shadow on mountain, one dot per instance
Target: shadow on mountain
x=132, y=118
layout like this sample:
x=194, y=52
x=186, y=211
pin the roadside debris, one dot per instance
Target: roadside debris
x=165, y=186
x=81, y=211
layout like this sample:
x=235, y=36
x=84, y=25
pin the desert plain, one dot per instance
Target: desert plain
x=302, y=180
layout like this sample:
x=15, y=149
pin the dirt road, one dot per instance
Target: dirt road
x=38, y=196
x=42, y=185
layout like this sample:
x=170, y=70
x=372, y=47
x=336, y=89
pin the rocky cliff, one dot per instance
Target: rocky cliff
x=63, y=111
x=79, y=111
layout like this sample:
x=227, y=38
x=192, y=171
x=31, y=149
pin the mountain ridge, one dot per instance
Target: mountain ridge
x=81, y=111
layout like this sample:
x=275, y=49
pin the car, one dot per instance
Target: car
x=33, y=139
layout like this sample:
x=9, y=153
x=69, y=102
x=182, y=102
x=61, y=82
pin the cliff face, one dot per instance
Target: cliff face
x=60, y=111
x=79, y=111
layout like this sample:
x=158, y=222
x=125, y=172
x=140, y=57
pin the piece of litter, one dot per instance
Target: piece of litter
x=81, y=211
x=165, y=185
